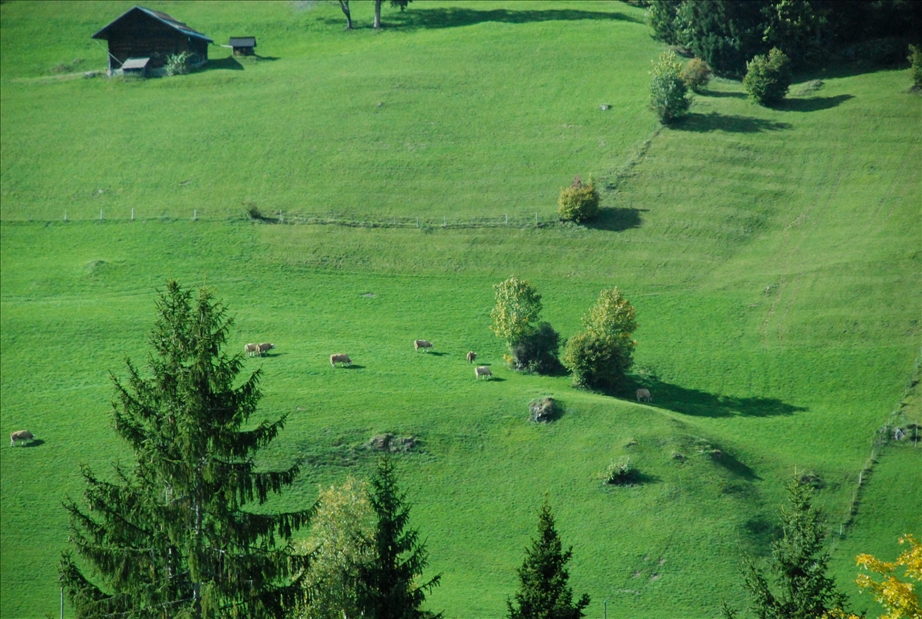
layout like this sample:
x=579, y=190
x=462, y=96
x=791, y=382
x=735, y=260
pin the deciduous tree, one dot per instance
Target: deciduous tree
x=518, y=305
x=600, y=356
x=897, y=596
x=168, y=536
x=668, y=93
x=397, y=4
x=341, y=542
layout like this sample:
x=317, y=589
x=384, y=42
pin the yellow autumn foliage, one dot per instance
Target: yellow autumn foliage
x=897, y=596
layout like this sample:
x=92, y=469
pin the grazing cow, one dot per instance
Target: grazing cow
x=250, y=349
x=417, y=344
x=643, y=395
x=263, y=348
x=21, y=435
x=471, y=355
x=482, y=370
x=334, y=359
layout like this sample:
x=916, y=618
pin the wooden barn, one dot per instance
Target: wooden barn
x=143, y=33
x=243, y=46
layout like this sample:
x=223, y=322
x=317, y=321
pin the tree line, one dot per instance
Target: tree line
x=173, y=534
x=729, y=33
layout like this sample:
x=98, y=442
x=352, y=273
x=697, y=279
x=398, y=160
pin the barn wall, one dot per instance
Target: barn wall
x=137, y=35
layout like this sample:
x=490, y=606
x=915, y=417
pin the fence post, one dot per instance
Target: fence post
x=444, y=221
x=536, y=219
x=194, y=214
x=65, y=215
x=281, y=219
x=507, y=220
x=100, y=214
x=417, y=222
x=132, y=214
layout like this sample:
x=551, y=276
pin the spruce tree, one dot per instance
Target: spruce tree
x=544, y=592
x=388, y=584
x=796, y=585
x=169, y=535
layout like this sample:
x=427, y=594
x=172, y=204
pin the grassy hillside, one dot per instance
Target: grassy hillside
x=773, y=257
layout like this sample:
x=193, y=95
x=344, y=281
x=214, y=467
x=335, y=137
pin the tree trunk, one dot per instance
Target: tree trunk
x=378, y=14
x=344, y=5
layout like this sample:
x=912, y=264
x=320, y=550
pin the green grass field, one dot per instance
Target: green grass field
x=773, y=257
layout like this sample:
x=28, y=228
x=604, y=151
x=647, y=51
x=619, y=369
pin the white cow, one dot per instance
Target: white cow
x=417, y=344
x=263, y=348
x=334, y=359
x=643, y=395
x=250, y=349
x=20, y=435
x=482, y=370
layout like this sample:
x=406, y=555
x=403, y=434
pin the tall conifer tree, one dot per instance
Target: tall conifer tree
x=389, y=586
x=544, y=591
x=169, y=536
x=797, y=585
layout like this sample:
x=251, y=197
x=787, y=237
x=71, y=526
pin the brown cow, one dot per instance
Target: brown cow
x=417, y=344
x=250, y=349
x=643, y=395
x=263, y=348
x=334, y=359
x=471, y=355
x=21, y=435
x=482, y=370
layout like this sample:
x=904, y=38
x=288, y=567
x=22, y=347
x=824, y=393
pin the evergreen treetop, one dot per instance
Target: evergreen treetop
x=389, y=586
x=169, y=536
x=544, y=591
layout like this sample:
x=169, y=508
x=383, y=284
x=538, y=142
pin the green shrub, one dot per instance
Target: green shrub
x=578, y=202
x=915, y=58
x=538, y=351
x=621, y=472
x=668, y=93
x=696, y=74
x=768, y=78
x=178, y=64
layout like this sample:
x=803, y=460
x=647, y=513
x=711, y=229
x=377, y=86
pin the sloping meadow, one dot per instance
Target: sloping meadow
x=772, y=255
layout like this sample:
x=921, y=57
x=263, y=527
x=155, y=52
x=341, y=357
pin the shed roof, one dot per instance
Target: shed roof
x=135, y=63
x=242, y=42
x=159, y=16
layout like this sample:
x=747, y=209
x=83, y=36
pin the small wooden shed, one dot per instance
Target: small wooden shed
x=136, y=66
x=144, y=33
x=243, y=46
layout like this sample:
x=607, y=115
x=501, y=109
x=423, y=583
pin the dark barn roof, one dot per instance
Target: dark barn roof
x=242, y=42
x=161, y=17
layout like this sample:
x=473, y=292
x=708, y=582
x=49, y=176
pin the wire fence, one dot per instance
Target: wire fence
x=519, y=220
x=881, y=439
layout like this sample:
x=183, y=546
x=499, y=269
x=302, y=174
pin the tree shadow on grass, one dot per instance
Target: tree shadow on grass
x=703, y=404
x=736, y=467
x=616, y=219
x=706, y=123
x=813, y=104
x=36, y=442
x=721, y=94
x=454, y=17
